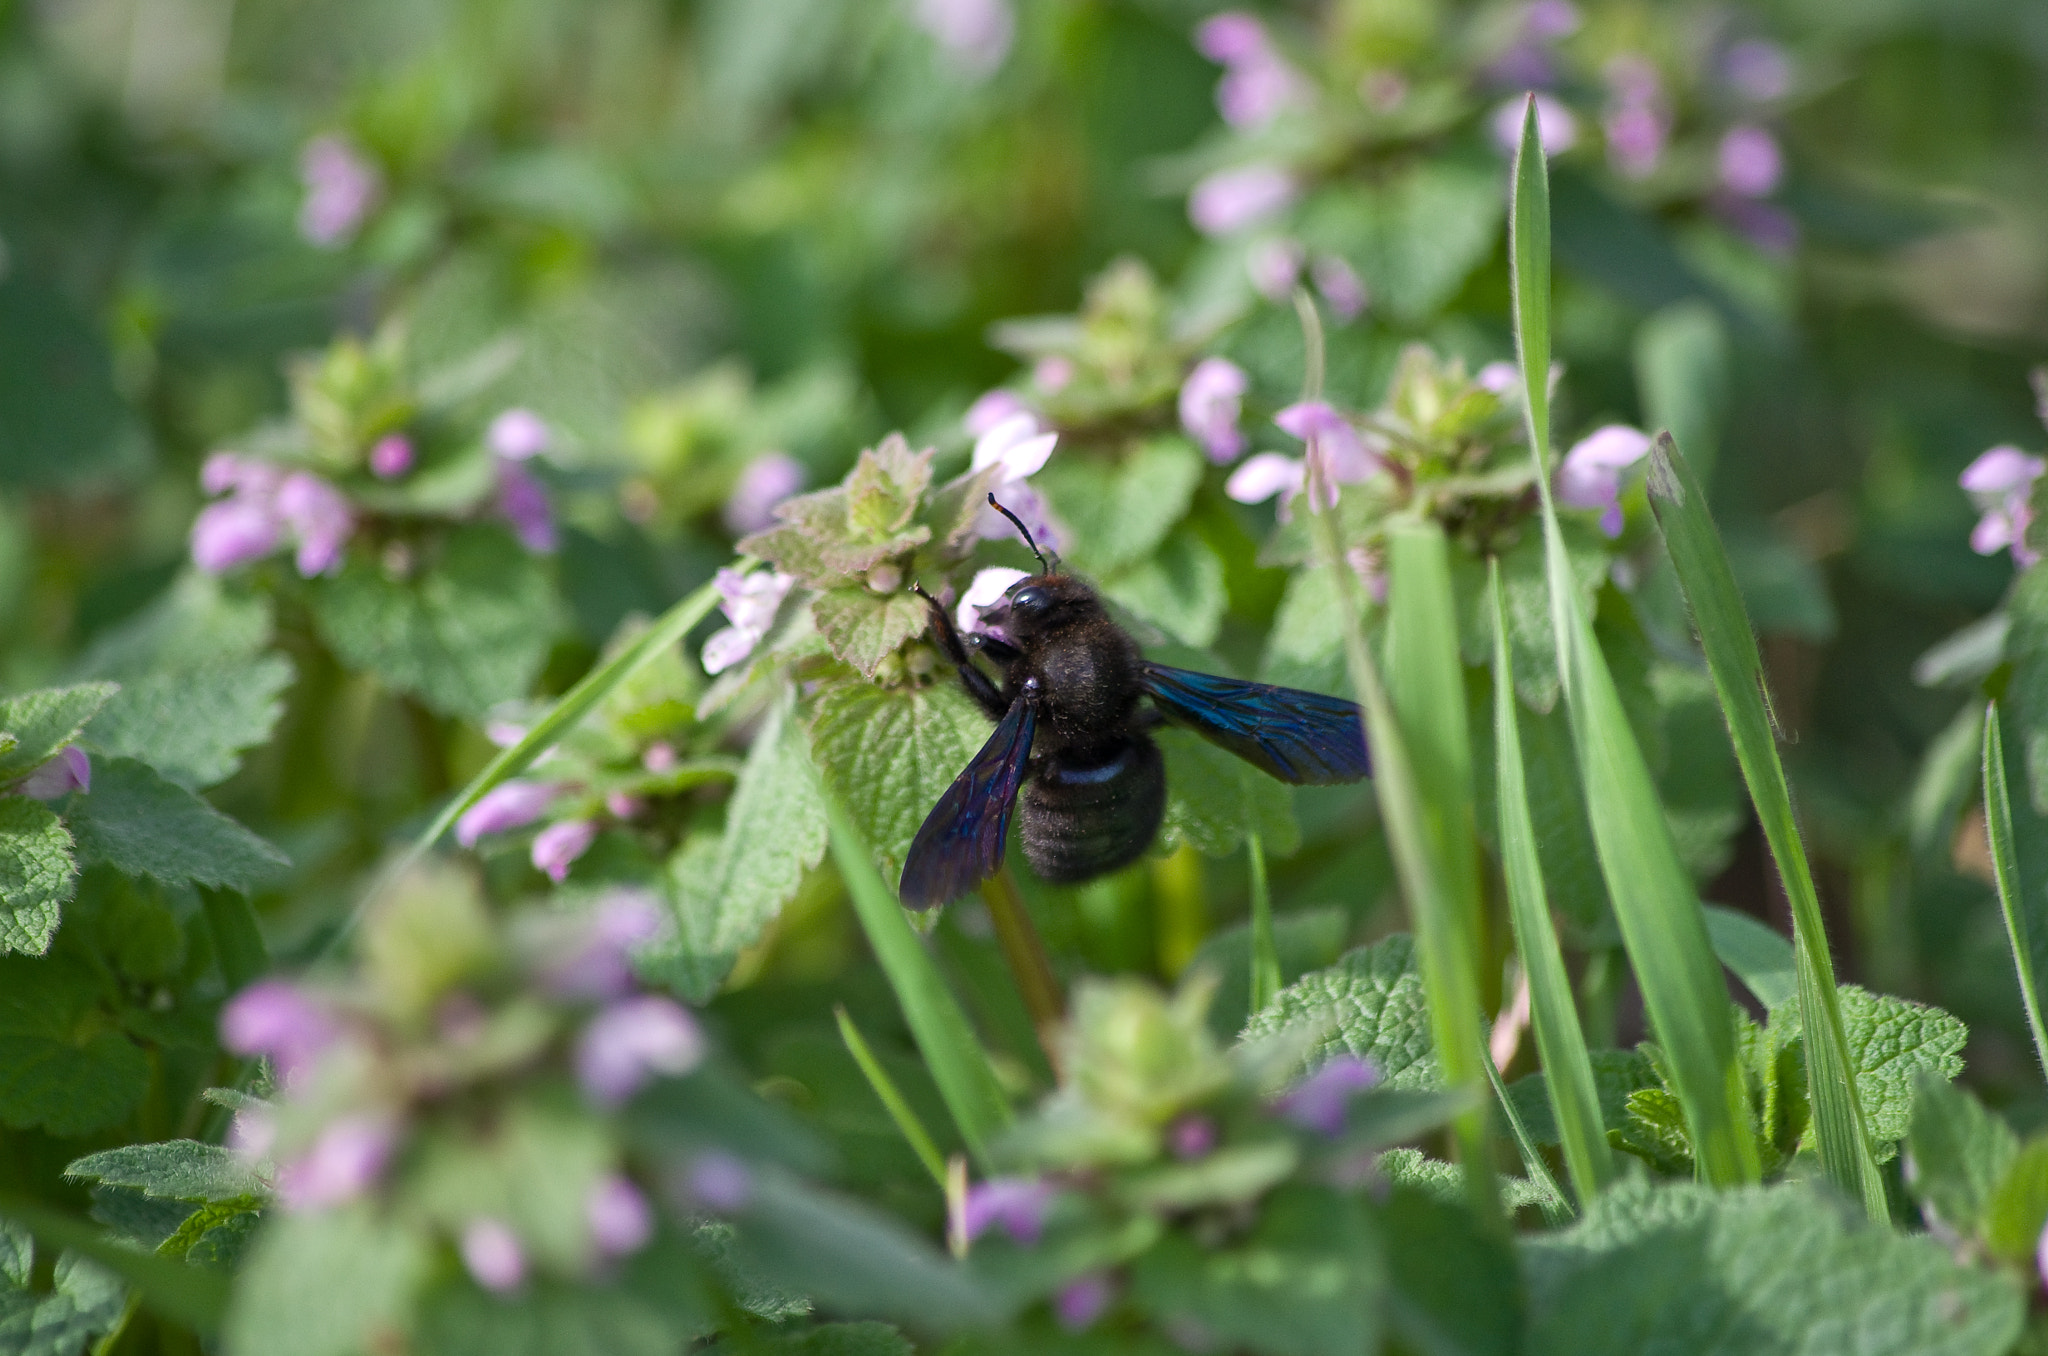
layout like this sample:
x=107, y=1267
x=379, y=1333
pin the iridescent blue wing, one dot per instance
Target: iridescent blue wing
x=961, y=842
x=1300, y=737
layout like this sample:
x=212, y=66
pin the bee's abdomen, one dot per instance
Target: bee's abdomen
x=1082, y=822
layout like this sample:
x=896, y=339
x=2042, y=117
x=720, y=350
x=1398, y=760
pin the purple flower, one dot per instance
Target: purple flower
x=599, y=959
x=1333, y=444
x=2000, y=483
x=2041, y=1257
x=1257, y=85
x=1019, y=448
x=622, y=805
x=1549, y=20
x=508, y=805
x=1319, y=1101
x=1082, y=1300
x=1638, y=122
x=632, y=1041
x=492, y=1253
x=558, y=845
x=225, y=471
x=70, y=770
x=768, y=480
x=1053, y=374
x=1191, y=1137
x=279, y=1019
x=1232, y=199
x=985, y=592
x=993, y=408
x=234, y=532
x=720, y=1182
x=319, y=516
x=1556, y=129
x=1018, y=1204
x=253, y=1132
x=1231, y=38
x=391, y=456
x=1268, y=474
x=344, y=1162
x=1751, y=165
x=1499, y=377
x=524, y=502
x=1758, y=70
x=750, y=604
x=341, y=188
x=975, y=34
x=518, y=435
x=659, y=757
x=619, y=1217
x=1766, y=225
x=1340, y=285
x=1590, y=475
x=1274, y=264
x=1211, y=399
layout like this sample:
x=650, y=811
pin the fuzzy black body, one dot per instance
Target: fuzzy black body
x=1072, y=743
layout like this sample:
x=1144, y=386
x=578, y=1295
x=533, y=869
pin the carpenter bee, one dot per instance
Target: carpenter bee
x=1073, y=744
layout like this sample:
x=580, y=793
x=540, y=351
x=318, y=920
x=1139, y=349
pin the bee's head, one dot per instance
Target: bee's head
x=1039, y=605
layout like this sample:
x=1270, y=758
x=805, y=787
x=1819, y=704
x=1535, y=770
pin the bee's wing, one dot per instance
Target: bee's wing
x=961, y=842
x=1300, y=737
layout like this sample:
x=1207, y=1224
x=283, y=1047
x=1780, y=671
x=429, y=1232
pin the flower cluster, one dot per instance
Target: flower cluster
x=380, y=1081
x=2000, y=483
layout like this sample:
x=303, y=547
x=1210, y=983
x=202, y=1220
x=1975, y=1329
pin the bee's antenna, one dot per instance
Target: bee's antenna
x=1028, y=541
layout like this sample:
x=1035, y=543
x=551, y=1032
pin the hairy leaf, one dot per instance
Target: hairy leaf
x=142, y=825
x=864, y=627
x=1369, y=1004
x=1891, y=1042
x=1179, y=589
x=61, y=1069
x=1961, y=1151
x=888, y=754
x=177, y=1170
x=1214, y=799
x=44, y=722
x=83, y=1301
x=37, y=874
x=332, y=1283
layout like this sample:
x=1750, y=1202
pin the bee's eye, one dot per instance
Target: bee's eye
x=1029, y=601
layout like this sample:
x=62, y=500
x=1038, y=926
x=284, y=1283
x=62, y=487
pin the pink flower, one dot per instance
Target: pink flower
x=619, y=1217
x=750, y=604
x=1020, y=449
x=1211, y=400
x=1751, y=165
x=70, y=770
x=985, y=592
x=1499, y=377
x=234, y=532
x=632, y=1041
x=2000, y=483
x=1341, y=287
x=1549, y=20
x=622, y=805
x=2041, y=1257
x=993, y=408
x=278, y=1019
x=1018, y=1204
x=1333, y=444
x=320, y=517
x=523, y=500
x=1590, y=475
x=976, y=34
x=1231, y=38
x=391, y=456
x=659, y=757
x=556, y=847
x=225, y=471
x=1053, y=374
x=1274, y=265
x=1556, y=129
x=492, y=1253
x=720, y=1181
x=1638, y=122
x=518, y=435
x=1191, y=1137
x=1319, y=1102
x=1758, y=70
x=509, y=805
x=341, y=185
x=1766, y=225
x=1232, y=199
x=1082, y=1300
x=344, y=1162
x=1268, y=474
x=768, y=480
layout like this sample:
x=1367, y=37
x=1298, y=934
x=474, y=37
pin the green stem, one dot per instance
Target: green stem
x=1265, y=952
x=1025, y=952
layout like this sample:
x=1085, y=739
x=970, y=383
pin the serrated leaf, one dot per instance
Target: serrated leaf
x=1119, y=512
x=1891, y=1042
x=1213, y=799
x=883, y=491
x=1369, y=1004
x=468, y=631
x=1961, y=1151
x=1780, y=1271
x=1653, y=1129
x=177, y=1170
x=142, y=825
x=888, y=754
x=728, y=890
x=864, y=627
x=83, y=1301
x=1307, y=939
x=61, y=1069
x=44, y=722
x=1616, y=1074
x=329, y=1283
x=37, y=874
x=1179, y=589
x=193, y=725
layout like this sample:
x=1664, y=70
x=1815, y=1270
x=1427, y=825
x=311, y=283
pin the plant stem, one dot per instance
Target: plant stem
x=1265, y=952
x=1029, y=966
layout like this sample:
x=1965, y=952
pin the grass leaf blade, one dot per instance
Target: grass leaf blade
x=2005, y=868
x=891, y=1097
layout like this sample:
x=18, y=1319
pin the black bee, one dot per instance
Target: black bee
x=1072, y=738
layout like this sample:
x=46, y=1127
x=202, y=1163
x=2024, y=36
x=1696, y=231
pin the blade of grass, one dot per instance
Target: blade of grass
x=1723, y=625
x=907, y=1124
x=2005, y=867
x=1265, y=951
x=958, y=1064
x=1654, y=901
x=1556, y=1206
x=1553, y=1016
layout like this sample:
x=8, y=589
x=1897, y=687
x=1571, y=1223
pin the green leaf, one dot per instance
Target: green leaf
x=2018, y=1206
x=468, y=631
x=1759, y=956
x=842, y=1339
x=1681, y=362
x=1961, y=1152
x=1305, y=940
x=1525, y=590
x=1369, y=1004
x=727, y=891
x=1305, y=647
x=177, y=1170
x=142, y=825
x=1784, y=1271
x=892, y=1099
x=1415, y=237
x=83, y=1301
x=37, y=874
x=1179, y=589
x=1443, y=1183
x=1654, y=902
x=44, y=722
x=190, y=1296
x=327, y=1283
x=888, y=754
x=1460, y=1282
x=2026, y=930
x=864, y=627
x=1892, y=1042
x=1119, y=512
x=1214, y=799
x=61, y=1068
x=556, y=1318
x=1616, y=1074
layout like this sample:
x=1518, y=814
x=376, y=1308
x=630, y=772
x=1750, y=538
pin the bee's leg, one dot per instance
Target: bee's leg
x=1002, y=651
x=978, y=684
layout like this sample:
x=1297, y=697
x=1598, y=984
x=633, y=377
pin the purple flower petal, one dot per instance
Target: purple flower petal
x=1231, y=38
x=524, y=502
x=632, y=1041
x=319, y=515
x=1319, y=1101
x=1082, y=1300
x=1191, y=1137
x=1759, y=71
x=1232, y=199
x=1018, y=1204
x=993, y=408
x=492, y=1253
x=1750, y=163
x=276, y=1018
x=1268, y=474
x=1341, y=287
x=391, y=456
x=1211, y=400
x=69, y=770
x=988, y=588
x=975, y=34
x=344, y=1162
x=509, y=805
x=1590, y=475
x=768, y=480
x=1273, y=266
x=556, y=847
x=620, y=1220
x=2002, y=470
x=234, y=532
x=1017, y=445
x=721, y=1182
x=341, y=188
x=518, y=435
